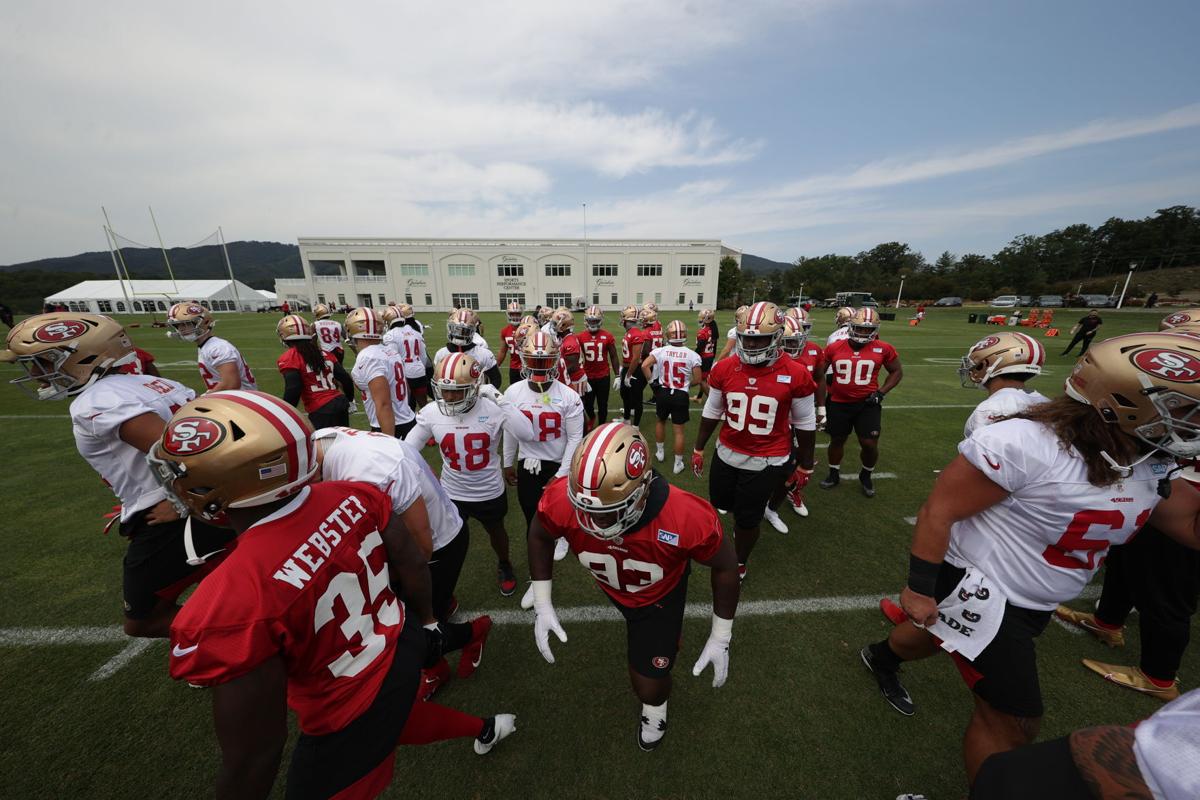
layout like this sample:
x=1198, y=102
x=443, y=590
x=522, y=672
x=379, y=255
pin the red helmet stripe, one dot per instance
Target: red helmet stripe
x=756, y=315
x=593, y=456
x=285, y=420
x=449, y=365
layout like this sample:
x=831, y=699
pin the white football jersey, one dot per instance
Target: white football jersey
x=96, y=417
x=217, y=351
x=407, y=343
x=673, y=366
x=838, y=335
x=377, y=361
x=732, y=334
x=1167, y=749
x=485, y=357
x=330, y=334
x=1002, y=403
x=557, y=417
x=396, y=469
x=1045, y=541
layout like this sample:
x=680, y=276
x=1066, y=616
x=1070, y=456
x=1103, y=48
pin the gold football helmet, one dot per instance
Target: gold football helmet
x=740, y=314
x=514, y=312
x=1184, y=318
x=593, y=318
x=564, y=323
x=64, y=353
x=705, y=316
x=294, y=328
x=544, y=314
x=1148, y=384
x=864, y=326
x=455, y=384
x=609, y=481
x=792, y=340
x=842, y=318
x=233, y=449
x=528, y=325
x=1007, y=353
x=539, y=358
x=190, y=321
x=758, y=334
x=630, y=317
x=320, y=311
x=390, y=316
x=649, y=314
x=461, y=327
x=406, y=311
x=677, y=332
x=363, y=323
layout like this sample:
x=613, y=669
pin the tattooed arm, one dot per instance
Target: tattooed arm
x=1105, y=760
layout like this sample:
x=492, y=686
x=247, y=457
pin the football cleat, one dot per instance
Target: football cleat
x=506, y=579
x=561, y=548
x=832, y=479
x=678, y=466
x=433, y=679
x=894, y=613
x=495, y=729
x=1133, y=678
x=651, y=733
x=795, y=496
x=472, y=654
x=659, y=453
x=889, y=684
x=868, y=486
x=801, y=510
x=772, y=516
x=741, y=572
x=452, y=609
x=1113, y=637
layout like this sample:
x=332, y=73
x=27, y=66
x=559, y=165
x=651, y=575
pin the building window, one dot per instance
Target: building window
x=137, y=305
x=414, y=269
x=461, y=270
x=428, y=299
x=104, y=306
x=649, y=270
x=510, y=270
x=639, y=298
x=595, y=298
x=681, y=298
x=511, y=297
x=341, y=300
x=465, y=301
x=556, y=299
x=382, y=300
x=408, y=298
x=614, y=298
x=700, y=297
x=162, y=306
x=120, y=307
x=559, y=271
x=604, y=270
x=658, y=297
x=691, y=270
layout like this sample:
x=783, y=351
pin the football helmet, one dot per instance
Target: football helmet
x=740, y=314
x=805, y=321
x=842, y=318
x=363, y=323
x=677, y=332
x=1001, y=354
x=864, y=326
x=1148, y=384
x=455, y=384
x=593, y=318
x=190, y=321
x=390, y=316
x=564, y=323
x=528, y=325
x=544, y=314
x=514, y=312
x=406, y=311
x=294, y=328
x=320, y=311
x=649, y=314
x=630, y=317
x=792, y=340
x=64, y=353
x=233, y=449
x=539, y=358
x=705, y=316
x=609, y=481
x=1184, y=318
x=758, y=334
x=461, y=327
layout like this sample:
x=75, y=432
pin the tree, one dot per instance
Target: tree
x=729, y=282
x=945, y=263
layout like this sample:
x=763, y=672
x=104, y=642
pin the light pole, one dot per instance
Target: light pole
x=801, y=300
x=1132, y=267
x=900, y=293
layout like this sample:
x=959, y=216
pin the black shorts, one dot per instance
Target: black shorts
x=743, y=491
x=401, y=429
x=653, y=633
x=335, y=413
x=445, y=565
x=1005, y=674
x=418, y=385
x=674, y=404
x=324, y=765
x=514, y=375
x=1042, y=770
x=494, y=510
x=706, y=363
x=155, y=564
x=864, y=418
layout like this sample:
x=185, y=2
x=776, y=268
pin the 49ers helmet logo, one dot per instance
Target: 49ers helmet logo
x=60, y=331
x=636, y=460
x=983, y=344
x=1179, y=318
x=1170, y=365
x=191, y=435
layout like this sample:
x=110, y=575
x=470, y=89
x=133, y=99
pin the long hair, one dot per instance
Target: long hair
x=312, y=354
x=1078, y=425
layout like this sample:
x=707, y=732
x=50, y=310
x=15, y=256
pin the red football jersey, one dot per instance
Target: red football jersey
x=308, y=583
x=571, y=346
x=633, y=337
x=758, y=403
x=595, y=352
x=812, y=357
x=856, y=372
x=705, y=346
x=319, y=388
x=514, y=358
x=655, y=334
x=642, y=566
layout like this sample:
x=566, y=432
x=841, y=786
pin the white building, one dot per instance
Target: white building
x=440, y=274
x=144, y=296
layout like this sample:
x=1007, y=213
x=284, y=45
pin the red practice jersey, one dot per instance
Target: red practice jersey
x=318, y=389
x=757, y=401
x=506, y=335
x=310, y=584
x=568, y=346
x=595, y=352
x=813, y=357
x=856, y=372
x=633, y=337
x=642, y=566
x=655, y=334
x=705, y=346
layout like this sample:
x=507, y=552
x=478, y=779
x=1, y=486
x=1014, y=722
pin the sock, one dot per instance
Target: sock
x=1156, y=681
x=457, y=635
x=431, y=722
x=868, y=469
x=654, y=714
x=884, y=657
x=835, y=467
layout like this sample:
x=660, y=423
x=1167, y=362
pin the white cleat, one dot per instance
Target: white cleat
x=801, y=510
x=678, y=468
x=722, y=511
x=560, y=552
x=776, y=521
x=659, y=453
x=651, y=732
x=503, y=726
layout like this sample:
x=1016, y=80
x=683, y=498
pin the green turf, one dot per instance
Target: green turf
x=799, y=716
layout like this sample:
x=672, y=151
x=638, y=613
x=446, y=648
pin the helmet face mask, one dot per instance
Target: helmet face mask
x=593, y=318
x=793, y=337
x=461, y=327
x=455, y=384
x=864, y=326
x=609, y=481
x=539, y=358
x=564, y=323
x=1001, y=354
x=514, y=312
x=64, y=353
x=190, y=321
x=759, y=333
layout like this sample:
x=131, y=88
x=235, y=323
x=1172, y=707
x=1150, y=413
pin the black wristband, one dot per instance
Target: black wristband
x=922, y=575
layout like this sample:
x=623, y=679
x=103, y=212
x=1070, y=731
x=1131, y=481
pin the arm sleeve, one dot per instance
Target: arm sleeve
x=516, y=425
x=709, y=542
x=714, y=406
x=343, y=378
x=1007, y=456
x=405, y=488
x=573, y=421
x=510, y=447
x=223, y=352
x=293, y=387
x=804, y=413
x=420, y=433
x=493, y=374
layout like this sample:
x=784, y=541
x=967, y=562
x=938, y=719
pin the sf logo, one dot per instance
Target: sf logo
x=60, y=331
x=192, y=435
x=1169, y=364
x=635, y=463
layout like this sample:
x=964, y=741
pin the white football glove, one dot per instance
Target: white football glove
x=527, y=598
x=820, y=418
x=546, y=620
x=490, y=392
x=628, y=379
x=532, y=466
x=716, y=651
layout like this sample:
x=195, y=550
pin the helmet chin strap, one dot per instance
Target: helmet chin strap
x=189, y=547
x=1124, y=471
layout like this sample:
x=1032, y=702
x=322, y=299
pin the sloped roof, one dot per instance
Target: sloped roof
x=191, y=289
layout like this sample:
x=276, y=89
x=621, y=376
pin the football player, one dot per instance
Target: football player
x=638, y=536
x=855, y=396
x=404, y=338
x=769, y=427
x=841, y=325
x=329, y=332
x=1001, y=364
x=466, y=427
x=706, y=346
x=507, y=347
x=731, y=334
x=221, y=365
x=312, y=375
x=648, y=319
x=116, y=417
x=379, y=374
x=672, y=369
x=599, y=365
x=544, y=313
x=632, y=381
x=302, y=612
x=1022, y=518
x=462, y=336
x=570, y=351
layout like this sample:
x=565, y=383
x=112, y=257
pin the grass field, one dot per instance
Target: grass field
x=799, y=716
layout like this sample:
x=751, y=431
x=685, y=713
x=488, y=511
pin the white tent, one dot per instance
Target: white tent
x=142, y=296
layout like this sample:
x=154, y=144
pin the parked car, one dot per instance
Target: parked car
x=1006, y=301
x=1050, y=301
x=949, y=301
x=1026, y=300
x=1097, y=301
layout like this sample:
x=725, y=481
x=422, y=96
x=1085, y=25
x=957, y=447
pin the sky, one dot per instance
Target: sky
x=786, y=129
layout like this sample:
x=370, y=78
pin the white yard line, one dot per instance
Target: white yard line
x=128, y=653
x=35, y=416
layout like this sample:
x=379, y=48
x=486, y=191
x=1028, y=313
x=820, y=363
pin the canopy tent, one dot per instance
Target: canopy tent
x=144, y=296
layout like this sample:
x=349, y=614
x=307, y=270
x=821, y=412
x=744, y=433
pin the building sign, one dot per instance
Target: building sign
x=511, y=283
x=411, y=282
x=692, y=282
x=606, y=282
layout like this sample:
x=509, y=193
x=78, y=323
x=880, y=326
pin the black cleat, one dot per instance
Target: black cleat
x=889, y=685
x=832, y=480
x=868, y=487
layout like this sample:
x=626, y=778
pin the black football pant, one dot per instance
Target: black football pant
x=530, y=487
x=595, y=401
x=1161, y=578
x=631, y=396
x=1086, y=338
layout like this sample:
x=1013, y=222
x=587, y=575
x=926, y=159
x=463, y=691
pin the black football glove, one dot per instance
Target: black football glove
x=435, y=641
x=875, y=398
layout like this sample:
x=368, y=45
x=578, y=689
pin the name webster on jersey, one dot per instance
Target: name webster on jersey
x=323, y=540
